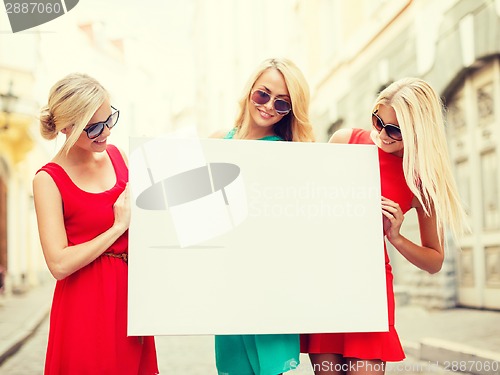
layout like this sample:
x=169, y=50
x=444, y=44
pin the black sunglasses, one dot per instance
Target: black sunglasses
x=281, y=106
x=393, y=131
x=95, y=130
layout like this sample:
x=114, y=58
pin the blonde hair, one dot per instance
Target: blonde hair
x=72, y=102
x=294, y=126
x=426, y=162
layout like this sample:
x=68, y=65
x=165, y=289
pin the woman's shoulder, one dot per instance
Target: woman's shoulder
x=43, y=175
x=351, y=135
x=341, y=136
x=52, y=168
x=46, y=177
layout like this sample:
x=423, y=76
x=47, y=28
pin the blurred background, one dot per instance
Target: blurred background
x=170, y=64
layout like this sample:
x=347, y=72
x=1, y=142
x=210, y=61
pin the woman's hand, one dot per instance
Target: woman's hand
x=393, y=219
x=121, y=209
x=62, y=258
x=429, y=255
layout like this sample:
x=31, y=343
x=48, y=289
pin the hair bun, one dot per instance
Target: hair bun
x=47, y=124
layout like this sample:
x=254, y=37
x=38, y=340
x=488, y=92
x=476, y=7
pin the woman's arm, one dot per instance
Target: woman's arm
x=430, y=255
x=62, y=260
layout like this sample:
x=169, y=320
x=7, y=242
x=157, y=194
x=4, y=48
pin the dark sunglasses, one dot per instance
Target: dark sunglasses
x=393, y=131
x=259, y=97
x=95, y=130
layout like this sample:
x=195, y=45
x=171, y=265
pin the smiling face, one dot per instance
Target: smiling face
x=263, y=117
x=382, y=140
x=98, y=144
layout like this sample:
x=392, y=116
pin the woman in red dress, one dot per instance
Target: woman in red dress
x=81, y=202
x=415, y=173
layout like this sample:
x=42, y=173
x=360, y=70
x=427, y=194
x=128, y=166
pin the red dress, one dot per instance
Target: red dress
x=370, y=345
x=88, y=320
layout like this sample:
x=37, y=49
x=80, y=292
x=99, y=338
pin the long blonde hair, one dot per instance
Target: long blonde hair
x=72, y=102
x=295, y=126
x=426, y=161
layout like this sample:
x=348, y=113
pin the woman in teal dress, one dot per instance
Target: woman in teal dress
x=274, y=107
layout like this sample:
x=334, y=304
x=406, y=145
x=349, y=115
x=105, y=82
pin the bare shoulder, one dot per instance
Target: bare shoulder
x=341, y=136
x=42, y=179
x=44, y=184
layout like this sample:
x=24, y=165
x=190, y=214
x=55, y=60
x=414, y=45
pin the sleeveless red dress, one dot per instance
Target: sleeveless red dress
x=384, y=346
x=88, y=320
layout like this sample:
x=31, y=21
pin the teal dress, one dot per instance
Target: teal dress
x=256, y=354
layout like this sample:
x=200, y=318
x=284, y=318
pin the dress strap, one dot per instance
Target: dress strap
x=119, y=164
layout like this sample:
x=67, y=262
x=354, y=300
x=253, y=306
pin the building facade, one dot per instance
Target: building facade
x=348, y=51
x=25, y=79
x=21, y=260
x=455, y=46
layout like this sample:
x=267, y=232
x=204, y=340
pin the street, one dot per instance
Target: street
x=186, y=355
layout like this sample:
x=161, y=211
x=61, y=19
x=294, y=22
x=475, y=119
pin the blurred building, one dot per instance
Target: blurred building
x=190, y=70
x=349, y=51
x=21, y=261
x=363, y=45
x=42, y=56
x=230, y=39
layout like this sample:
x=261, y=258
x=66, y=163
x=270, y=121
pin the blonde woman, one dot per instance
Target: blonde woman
x=407, y=121
x=274, y=107
x=81, y=202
